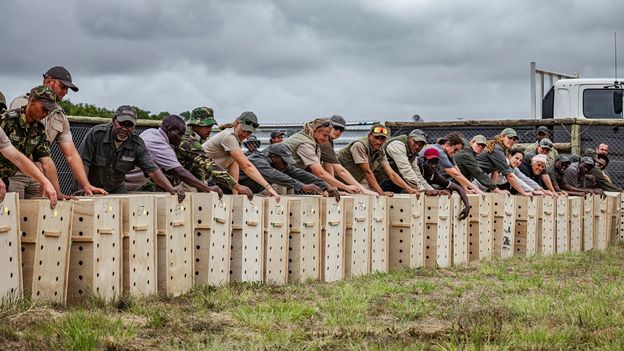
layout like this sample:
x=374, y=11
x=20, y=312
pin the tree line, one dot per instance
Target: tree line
x=89, y=110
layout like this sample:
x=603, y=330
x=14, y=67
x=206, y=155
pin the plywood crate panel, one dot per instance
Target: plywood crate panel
x=219, y=242
x=601, y=234
x=11, y=266
x=174, y=245
x=332, y=240
x=357, y=234
x=546, y=244
x=202, y=223
x=588, y=223
x=575, y=206
x=304, y=240
x=247, y=251
x=498, y=214
x=52, y=246
x=276, y=250
x=613, y=216
x=509, y=226
x=437, y=231
x=379, y=229
x=480, y=227
x=563, y=225
x=96, y=259
x=400, y=235
x=461, y=254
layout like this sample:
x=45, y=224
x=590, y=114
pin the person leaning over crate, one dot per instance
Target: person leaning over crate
x=494, y=159
x=533, y=180
x=427, y=163
x=160, y=144
x=275, y=163
x=362, y=157
x=305, y=147
x=110, y=151
x=225, y=149
x=193, y=158
x=542, y=132
x=466, y=160
x=57, y=131
x=577, y=178
x=22, y=136
x=402, y=152
x=447, y=147
x=601, y=159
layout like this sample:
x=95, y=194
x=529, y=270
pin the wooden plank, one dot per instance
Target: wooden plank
x=357, y=251
x=498, y=215
x=246, y=257
x=348, y=225
x=613, y=214
x=380, y=242
x=202, y=224
x=575, y=205
x=399, y=234
x=509, y=225
x=534, y=225
x=563, y=225
x=417, y=232
x=588, y=223
x=443, y=246
x=275, y=246
x=304, y=240
x=473, y=227
x=51, y=263
x=332, y=240
x=219, y=248
x=174, y=245
x=11, y=279
x=460, y=232
x=600, y=223
x=547, y=238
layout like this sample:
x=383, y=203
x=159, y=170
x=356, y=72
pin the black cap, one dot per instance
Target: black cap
x=543, y=129
x=280, y=150
x=62, y=74
x=563, y=159
x=277, y=133
x=126, y=113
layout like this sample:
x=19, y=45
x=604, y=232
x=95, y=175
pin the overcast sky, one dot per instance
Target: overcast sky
x=290, y=61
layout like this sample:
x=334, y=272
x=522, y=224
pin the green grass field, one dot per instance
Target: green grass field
x=569, y=301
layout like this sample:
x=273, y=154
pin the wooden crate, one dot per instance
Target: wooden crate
x=379, y=229
x=247, y=251
x=357, y=234
x=546, y=240
x=509, y=225
x=621, y=227
x=202, y=224
x=219, y=242
x=601, y=234
x=48, y=233
x=406, y=217
x=480, y=227
x=438, y=224
x=174, y=245
x=613, y=216
x=304, y=240
x=96, y=258
x=459, y=235
x=498, y=216
x=563, y=225
x=11, y=279
x=525, y=238
x=575, y=206
x=275, y=245
x=588, y=223
x=332, y=240
x=138, y=229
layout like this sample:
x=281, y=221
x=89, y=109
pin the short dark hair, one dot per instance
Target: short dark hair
x=516, y=151
x=174, y=121
x=454, y=138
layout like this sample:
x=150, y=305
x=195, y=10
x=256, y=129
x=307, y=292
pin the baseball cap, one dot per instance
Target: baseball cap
x=62, y=74
x=543, y=129
x=126, y=113
x=418, y=135
x=546, y=143
x=282, y=151
x=202, y=117
x=479, y=139
x=249, y=121
x=509, y=132
x=563, y=159
x=277, y=133
x=338, y=121
x=430, y=153
x=380, y=130
x=2, y=101
x=45, y=95
x=587, y=160
x=251, y=139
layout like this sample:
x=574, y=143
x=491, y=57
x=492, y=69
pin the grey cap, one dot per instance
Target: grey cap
x=2, y=101
x=587, y=160
x=248, y=121
x=509, y=132
x=252, y=139
x=546, y=143
x=543, y=129
x=418, y=135
x=280, y=150
x=338, y=121
x=126, y=113
x=479, y=139
x=563, y=159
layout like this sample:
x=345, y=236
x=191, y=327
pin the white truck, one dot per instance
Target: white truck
x=596, y=98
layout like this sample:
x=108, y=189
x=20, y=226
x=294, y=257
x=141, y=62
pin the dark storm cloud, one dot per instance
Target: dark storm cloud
x=288, y=59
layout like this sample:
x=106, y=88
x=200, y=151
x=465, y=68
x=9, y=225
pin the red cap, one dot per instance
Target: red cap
x=430, y=153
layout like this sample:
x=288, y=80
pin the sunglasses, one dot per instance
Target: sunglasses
x=323, y=125
x=381, y=130
x=340, y=129
x=251, y=123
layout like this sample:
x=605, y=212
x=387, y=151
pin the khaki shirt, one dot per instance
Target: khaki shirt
x=218, y=147
x=56, y=123
x=4, y=140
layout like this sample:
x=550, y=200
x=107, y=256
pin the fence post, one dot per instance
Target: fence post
x=575, y=139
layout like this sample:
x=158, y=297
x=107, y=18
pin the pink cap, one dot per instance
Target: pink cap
x=431, y=152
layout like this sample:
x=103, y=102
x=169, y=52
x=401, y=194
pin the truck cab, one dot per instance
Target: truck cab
x=595, y=98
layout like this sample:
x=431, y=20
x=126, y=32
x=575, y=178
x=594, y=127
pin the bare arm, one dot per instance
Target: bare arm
x=396, y=179
x=342, y=172
x=159, y=178
x=49, y=169
x=513, y=181
x=370, y=178
x=75, y=164
x=190, y=179
x=28, y=167
x=318, y=171
x=465, y=183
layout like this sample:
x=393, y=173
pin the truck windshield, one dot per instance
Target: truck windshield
x=598, y=103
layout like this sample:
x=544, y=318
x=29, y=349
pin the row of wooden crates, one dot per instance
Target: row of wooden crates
x=144, y=244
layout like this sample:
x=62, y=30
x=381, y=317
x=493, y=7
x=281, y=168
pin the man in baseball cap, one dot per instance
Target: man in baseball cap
x=252, y=144
x=542, y=133
x=466, y=160
x=575, y=180
x=277, y=136
x=275, y=163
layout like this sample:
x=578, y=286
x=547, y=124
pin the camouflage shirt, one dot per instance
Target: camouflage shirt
x=30, y=139
x=193, y=157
